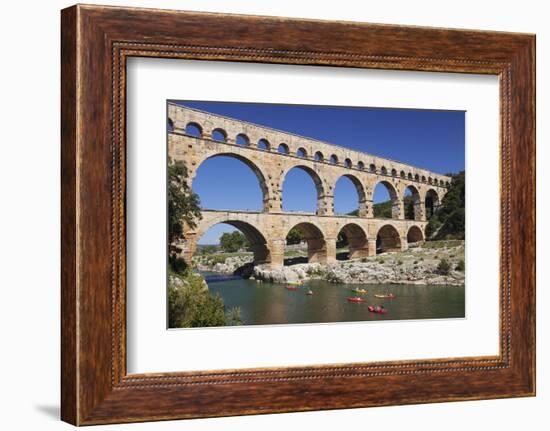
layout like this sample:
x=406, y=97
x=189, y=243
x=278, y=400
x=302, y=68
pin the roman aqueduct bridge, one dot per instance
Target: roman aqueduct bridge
x=195, y=136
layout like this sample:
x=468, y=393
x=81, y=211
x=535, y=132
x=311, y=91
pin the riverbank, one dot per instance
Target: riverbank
x=439, y=263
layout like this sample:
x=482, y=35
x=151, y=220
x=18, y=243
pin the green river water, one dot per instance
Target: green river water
x=267, y=303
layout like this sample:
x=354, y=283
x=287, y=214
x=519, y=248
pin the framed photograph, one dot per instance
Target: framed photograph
x=331, y=214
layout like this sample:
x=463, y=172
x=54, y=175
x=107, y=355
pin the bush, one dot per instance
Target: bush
x=178, y=265
x=192, y=306
x=460, y=266
x=444, y=267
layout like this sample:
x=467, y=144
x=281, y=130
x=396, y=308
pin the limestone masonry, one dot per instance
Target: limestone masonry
x=271, y=154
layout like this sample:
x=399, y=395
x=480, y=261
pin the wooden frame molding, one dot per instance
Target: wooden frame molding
x=95, y=42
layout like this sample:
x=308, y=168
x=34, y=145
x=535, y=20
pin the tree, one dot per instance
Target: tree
x=449, y=220
x=383, y=209
x=232, y=242
x=295, y=236
x=183, y=203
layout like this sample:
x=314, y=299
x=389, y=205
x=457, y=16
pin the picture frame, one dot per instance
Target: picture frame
x=96, y=42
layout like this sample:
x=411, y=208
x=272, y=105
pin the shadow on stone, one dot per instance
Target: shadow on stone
x=245, y=271
x=295, y=260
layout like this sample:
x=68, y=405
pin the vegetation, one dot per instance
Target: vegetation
x=444, y=267
x=233, y=241
x=190, y=304
x=460, y=266
x=295, y=236
x=383, y=209
x=449, y=221
x=183, y=208
x=183, y=203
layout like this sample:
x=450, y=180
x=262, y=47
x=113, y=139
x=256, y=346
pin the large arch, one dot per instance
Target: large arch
x=388, y=239
x=257, y=240
x=356, y=238
x=257, y=171
x=361, y=194
x=394, y=197
x=315, y=239
x=316, y=181
x=431, y=202
x=415, y=235
x=416, y=213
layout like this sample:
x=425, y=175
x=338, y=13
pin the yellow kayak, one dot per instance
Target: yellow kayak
x=359, y=291
x=389, y=296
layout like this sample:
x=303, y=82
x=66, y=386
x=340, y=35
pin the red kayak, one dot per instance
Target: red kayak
x=291, y=288
x=355, y=299
x=377, y=309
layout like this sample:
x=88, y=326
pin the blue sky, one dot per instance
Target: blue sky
x=428, y=139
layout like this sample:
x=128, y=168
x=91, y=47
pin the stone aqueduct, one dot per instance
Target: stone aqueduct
x=195, y=136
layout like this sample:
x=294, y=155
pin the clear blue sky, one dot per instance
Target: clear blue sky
x=428, y=139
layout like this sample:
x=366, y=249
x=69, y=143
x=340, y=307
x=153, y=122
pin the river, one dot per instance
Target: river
x=265, y=303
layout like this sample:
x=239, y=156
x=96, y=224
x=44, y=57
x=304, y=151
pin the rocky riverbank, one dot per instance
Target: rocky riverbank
x=435, y=263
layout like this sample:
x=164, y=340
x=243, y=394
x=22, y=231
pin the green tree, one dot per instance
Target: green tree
x=231, y=242
x=295, y=236
x=444, y=267
x=409, y=207
x=183, y=203
x=449, y=220
x=383, y=209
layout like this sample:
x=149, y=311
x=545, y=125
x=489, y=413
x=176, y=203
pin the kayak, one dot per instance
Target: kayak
x=309, y=292
x=291, y=288
x=355, y=299
x=373, y=309
x=357, y=290
x=389, y=296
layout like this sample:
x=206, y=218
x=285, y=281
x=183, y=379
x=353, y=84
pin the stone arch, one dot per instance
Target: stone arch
x=255, y=168
x=242, y=140
x=394, y=197
x=372, y=167
x=193, y=129
x=219, y=135
x=417, y=177
x=170, y=125
x=263, y=144
x=347, y=163
x=402, y=174
x=283, y=148
x=388, y=239
x=316, y=181
x=256, y=239
x=315, y=239
x=409, y=176
x=333, y=159
x=357, y=240
x=431, y=202
x=394, y=172
x=415, y=235
x=384, y=170
x=416, y=202
x=318, y=157
x=361, y=194
x=301, y=152
x=361, y=166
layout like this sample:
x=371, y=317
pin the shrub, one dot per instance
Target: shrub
x=444, y=267
x=178, y=265
x=460, y=266
x=192, y=306
x=363, y=259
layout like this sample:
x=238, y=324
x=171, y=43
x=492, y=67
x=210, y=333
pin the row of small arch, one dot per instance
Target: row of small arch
x=220, y=135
